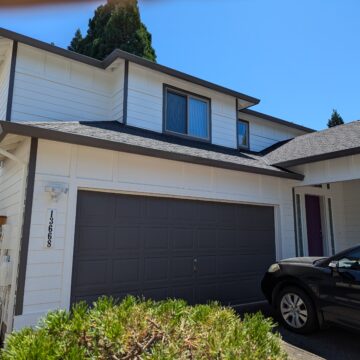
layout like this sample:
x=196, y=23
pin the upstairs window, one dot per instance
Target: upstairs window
x=187, y=114
x=243, y=134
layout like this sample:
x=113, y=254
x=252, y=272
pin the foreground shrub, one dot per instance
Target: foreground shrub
x=135, y=329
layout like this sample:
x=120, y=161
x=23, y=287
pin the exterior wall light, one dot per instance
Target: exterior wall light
x=56, y=190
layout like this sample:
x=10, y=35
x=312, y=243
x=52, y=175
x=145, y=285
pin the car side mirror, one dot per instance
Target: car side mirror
x=334, y=265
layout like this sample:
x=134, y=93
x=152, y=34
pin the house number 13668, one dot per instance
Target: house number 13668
x=50, y=228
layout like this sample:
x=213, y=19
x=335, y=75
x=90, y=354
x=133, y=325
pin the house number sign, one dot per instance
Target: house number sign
x=51, y=217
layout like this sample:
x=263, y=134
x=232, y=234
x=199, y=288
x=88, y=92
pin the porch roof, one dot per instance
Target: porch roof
x=113, y=135
x=338, y=141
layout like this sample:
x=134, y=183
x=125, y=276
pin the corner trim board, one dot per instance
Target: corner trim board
x=295, y=223
x=126, y=91
x=24, y=243
x=11, y=81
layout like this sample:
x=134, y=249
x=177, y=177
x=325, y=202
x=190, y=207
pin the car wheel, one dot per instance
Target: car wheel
x=296, y=311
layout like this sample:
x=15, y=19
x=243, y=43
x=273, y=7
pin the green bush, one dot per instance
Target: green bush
x=136, y=329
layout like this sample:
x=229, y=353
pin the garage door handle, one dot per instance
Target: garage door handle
x=195, y=265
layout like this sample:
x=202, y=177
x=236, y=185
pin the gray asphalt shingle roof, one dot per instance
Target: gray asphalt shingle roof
x=335, y=142
x=113, y=135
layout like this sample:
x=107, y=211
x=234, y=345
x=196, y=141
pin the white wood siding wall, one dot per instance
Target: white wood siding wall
x=5, y=64
x=49, y=87
x=351, y=191
x=12, y=185
x=264, y=133
x=335, y=193
x=343, y=175
x=48, y=276
x=145, y=104
x=328, y=171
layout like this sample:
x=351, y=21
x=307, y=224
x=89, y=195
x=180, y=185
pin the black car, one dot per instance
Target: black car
x=308, y=292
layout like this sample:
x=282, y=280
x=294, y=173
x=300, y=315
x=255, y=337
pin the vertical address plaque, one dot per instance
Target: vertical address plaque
x=50, y=222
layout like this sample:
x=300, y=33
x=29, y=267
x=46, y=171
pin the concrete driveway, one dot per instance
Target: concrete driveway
x=331, y=344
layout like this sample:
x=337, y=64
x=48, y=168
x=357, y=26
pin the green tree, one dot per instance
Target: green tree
x=115, y=25
x=76, y=42
x=335, y=119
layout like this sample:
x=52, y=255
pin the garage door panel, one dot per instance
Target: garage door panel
x=156, y=268
x=258, y=240
x=227, y=238
x=97, y=208
x=206, y=238
x=206, y=213
x=128, y=207
x=156, y=293
x=150, y=247
x=183, y=292
x=256, y=217
x=126, y=237
x=91, y=272
x=232, y=290
x=206, y=266
x=227, y=215
x=208, y=292
x=155, y=238
x=125, y=270
x=182, y=238
x=93, y=238
x=183, y=212
x=182, y=267
x=156, y=210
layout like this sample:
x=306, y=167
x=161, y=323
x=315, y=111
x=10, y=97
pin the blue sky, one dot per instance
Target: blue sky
x=301, y=58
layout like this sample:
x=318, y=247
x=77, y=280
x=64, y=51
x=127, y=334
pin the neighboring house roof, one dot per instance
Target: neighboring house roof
x=276, y=120
x=331, y=143
x=123, y=55
x=113, y=135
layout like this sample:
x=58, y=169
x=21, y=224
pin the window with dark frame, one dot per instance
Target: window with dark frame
x=187, y=114
x=243, y=134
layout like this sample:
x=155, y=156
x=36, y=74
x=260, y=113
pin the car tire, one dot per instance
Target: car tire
x=296, y=311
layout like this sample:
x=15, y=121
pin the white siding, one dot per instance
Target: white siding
x=49, y=87
x=264, y=133
x=145, y=104
x=48, y=276
x=12, y=185
x=5, y=64
x=343, y=175
x=117, y=97
x=351, y=191
x=335, y=194
x=328, y=171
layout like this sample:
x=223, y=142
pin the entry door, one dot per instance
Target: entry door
x=314, y=228
x=162, y=247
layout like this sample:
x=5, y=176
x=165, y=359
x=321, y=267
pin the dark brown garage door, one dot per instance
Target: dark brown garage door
x=160, y=248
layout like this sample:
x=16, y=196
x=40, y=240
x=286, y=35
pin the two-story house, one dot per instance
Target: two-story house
x=124, y=176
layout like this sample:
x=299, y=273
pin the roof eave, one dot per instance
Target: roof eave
x=37, y=132
x=316, y=158
x=277, y=120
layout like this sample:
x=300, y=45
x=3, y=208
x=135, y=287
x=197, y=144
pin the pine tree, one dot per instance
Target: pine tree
x=115, y=25
x=335, y=119
x=75, y=44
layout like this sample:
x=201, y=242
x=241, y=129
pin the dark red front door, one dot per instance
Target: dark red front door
x=313, y=221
